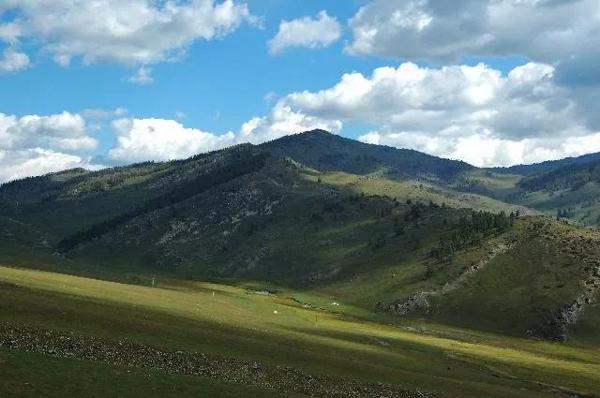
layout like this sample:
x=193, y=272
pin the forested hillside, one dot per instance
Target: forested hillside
x=313, y=211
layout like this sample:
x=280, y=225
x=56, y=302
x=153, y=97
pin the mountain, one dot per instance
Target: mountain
x=569, y=191
x=310, y=211
x=542, y=167
x=571, y=177
x=324, y=151
x=432, y=274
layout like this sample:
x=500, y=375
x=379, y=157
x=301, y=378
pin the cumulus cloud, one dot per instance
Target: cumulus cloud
x=485, y=150
x=23, y=163
x=64, y=132
x=137, y=32
x=164, y=139
x=33, y=145
x=474, y=113
x=283, y=120
x=448, y=100
x=306, y=32
x=161, y=139
x=13, y=61
x=439, y=29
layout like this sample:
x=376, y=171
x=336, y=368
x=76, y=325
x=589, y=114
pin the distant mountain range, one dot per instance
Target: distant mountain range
x=536, y=168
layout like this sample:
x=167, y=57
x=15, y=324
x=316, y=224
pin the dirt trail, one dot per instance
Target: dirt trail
x=280, y=379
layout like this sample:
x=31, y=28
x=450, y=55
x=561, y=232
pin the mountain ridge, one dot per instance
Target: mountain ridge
x=314, y=139
x=548, y=165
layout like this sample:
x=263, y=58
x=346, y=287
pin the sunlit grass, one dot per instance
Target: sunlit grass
x=320, y=340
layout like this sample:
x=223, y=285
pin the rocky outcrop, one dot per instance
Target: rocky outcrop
x=420, y=300
x=557, y=327
x=415, y=302
x=582, y=249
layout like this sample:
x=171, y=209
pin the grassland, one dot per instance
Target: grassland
x=417, y=191
x=25, y=375
x=274, y=329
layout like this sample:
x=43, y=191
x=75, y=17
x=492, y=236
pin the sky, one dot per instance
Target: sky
x=106, y=82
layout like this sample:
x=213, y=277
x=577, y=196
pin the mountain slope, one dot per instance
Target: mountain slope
x=377, y=227
x=570, y=192
x=78, y=326
x=570, y=177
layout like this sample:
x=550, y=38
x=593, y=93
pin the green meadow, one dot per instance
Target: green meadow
x=275, y=329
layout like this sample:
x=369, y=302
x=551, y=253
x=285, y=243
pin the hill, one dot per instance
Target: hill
x=315, y=222
x=285, y=212
x=569, y=191
x=321, y=150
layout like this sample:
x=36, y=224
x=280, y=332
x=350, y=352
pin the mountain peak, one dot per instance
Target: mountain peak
x=317, y=132
x=324, y=151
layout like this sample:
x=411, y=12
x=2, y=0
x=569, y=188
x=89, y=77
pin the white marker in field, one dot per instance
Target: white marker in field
x=275, y=312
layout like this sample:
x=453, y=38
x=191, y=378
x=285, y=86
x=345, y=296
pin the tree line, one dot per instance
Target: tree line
x=470, y=230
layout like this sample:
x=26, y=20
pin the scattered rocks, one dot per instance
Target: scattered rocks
x=284, y=380
x=415, y=302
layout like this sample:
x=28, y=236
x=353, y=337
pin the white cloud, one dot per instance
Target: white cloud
x=13, y=61
x=562, y=33
x=270, y=97
x=137, y=32
x=161, y=139
x=306, y=32
x=474, y=113
x=10, y=32
x=544, y=30
x=483, y=150
x=62, y=132
x=33, y=145
x=37, y=161
x=281, y=121
x=449, y=100
x=143, y=76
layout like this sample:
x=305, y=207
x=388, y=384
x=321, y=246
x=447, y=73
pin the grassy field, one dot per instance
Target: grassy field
x=275, y=330
x=417, y=191
x=24, y=374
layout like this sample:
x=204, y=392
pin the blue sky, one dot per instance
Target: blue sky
x=474, y=91
x=218, y=84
